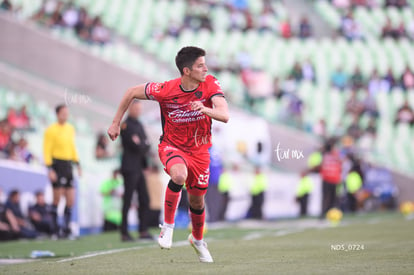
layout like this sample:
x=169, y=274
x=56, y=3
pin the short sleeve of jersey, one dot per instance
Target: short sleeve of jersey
x=153, y=90
x=214, y=87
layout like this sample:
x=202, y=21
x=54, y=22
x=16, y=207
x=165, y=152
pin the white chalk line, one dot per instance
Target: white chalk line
x=114, y=251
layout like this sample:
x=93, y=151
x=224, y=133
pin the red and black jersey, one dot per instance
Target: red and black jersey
x=186, y=129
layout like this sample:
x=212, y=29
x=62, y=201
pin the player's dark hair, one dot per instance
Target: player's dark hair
x=187, y=56
x=59, y=107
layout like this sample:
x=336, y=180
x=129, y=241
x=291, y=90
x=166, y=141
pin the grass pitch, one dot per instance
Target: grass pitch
x=364, y=244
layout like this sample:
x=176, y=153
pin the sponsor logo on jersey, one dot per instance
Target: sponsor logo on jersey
x=180, y=116
x=198, y=94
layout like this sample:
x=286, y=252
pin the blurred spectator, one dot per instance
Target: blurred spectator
x=308, y=71
x=8, y=223
x=296, y=72
x=18, y=119
x=56, y=19
x=305, y=28
x=286, y=29
x=277, y=91
x=24, y=227
x=40, y=216
x=110, y=191
x=374, y=84
x=54, y=13
x=5, y=136
x=388, y=81
x=407, y=79
x=354, y=130
x=266, y=20
x=99, y=34
x=173, y=29
x=353, y=105
x=237, y=20
x=370, y=106
x=401, y=30
x=101, y=150
x=405, y=114
x=395, y=3
x=350, y=28
x=388, y=30
x=357, y=79
x=22, y=152
x=83, y=23
x=339, y=79
x=257, y=191
x=6, y=5
x=70, y=15
x=249, y=21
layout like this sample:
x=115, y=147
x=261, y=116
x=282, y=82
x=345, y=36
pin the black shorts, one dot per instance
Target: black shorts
x=63, y=170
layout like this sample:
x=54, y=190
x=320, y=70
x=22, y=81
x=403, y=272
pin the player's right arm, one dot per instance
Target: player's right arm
x=133, y=92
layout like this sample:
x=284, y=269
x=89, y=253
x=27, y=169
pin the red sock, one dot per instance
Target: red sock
x=197, y=222
x=170, y=205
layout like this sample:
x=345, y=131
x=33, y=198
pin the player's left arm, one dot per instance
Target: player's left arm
x=220, y=110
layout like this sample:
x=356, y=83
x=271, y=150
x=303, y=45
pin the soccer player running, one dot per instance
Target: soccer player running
x=188, y=105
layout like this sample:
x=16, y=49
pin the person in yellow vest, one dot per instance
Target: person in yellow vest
x=59, y=152
x=225, y=183
x=353, y=183
x=112, y=202
x=257, y=191
x=314, y=159
x=302, y=194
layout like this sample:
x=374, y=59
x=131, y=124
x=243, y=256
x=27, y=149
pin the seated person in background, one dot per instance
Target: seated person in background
x=6, y=231
x=18, y=119
x=112, y=202
x=405, y=114
x=353, y=105
x=354, y=130
x=339, y=79
x=357, y=80
x=5, y=137
x=22, y=152
x=39, y=215
x=407, y=79
x=24, y=228
x=101, y=150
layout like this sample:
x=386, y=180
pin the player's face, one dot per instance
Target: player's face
x=199, y=69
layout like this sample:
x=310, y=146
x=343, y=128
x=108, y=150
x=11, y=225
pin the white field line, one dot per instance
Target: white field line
x=113, y=251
